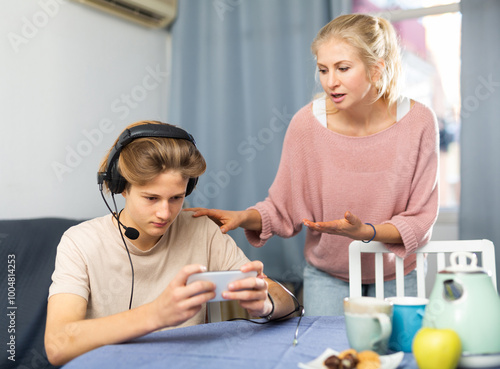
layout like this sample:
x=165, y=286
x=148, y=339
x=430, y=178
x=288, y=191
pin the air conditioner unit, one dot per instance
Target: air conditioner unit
x=150, y=13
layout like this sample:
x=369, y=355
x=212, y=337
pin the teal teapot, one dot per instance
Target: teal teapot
x=464, y=299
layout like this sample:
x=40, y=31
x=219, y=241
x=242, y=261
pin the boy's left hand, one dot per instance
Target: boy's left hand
x=251, y=292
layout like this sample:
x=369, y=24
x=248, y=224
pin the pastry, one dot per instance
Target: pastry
x=350, y=359
x=368, y=360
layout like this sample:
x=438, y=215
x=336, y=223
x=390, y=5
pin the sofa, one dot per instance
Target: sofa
x=28, y=250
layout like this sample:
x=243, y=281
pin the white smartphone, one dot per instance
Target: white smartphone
x=221, y=279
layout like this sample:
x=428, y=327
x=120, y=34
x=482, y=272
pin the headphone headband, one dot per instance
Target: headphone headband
x=153, y=130
x=116, y=182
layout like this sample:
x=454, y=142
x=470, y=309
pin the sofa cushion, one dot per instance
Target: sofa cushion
x=28, y=250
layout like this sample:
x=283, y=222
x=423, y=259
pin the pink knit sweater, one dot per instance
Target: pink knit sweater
x=387, y=177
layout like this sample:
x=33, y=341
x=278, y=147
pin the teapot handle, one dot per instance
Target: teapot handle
x=459, y=259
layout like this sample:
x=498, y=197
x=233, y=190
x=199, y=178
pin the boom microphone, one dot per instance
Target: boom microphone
x=130, y=233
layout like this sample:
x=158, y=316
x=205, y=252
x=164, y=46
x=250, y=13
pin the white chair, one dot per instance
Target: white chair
x=441, y=248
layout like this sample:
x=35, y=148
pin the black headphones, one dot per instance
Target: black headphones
x=115, y=181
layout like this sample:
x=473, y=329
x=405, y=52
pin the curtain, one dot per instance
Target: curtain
x=240, y=69
x=479, y=215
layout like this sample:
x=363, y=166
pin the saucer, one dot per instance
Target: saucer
x=386, y=361
x=479, y=361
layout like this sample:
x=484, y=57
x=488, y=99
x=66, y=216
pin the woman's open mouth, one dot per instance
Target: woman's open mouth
x=337, y=97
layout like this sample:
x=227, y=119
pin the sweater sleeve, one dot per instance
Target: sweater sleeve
x=416, y=221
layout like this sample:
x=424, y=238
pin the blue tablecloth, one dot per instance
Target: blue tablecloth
x=232, y=344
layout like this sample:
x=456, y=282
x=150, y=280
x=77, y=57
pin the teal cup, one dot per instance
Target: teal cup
x=408, y=313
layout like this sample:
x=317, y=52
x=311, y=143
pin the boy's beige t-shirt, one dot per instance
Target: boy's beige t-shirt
x=92, y=262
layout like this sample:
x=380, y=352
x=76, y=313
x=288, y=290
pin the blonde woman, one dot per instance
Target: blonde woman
x=360, y=162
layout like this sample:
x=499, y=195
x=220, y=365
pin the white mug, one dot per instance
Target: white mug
x=368, y=323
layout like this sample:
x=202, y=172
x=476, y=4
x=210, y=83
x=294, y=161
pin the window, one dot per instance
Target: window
x=430, y=34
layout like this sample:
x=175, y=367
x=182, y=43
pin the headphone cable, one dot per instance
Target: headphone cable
x=298, y=307
x=128, y=253
x=113, y=213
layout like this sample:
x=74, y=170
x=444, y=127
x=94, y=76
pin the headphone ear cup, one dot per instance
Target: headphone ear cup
x=191, y=185
x=119, y=184
x=116, y=183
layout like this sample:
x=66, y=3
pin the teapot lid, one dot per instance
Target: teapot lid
x=460, y=264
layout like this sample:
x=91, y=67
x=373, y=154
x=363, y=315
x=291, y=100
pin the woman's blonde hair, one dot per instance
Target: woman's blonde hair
x=144, y=158
x=375, y=39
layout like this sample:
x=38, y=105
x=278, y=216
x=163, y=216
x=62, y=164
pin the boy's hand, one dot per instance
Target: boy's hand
x=180, y=302
x=251, y=292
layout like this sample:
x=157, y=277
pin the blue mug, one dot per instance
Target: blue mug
x=408, y=313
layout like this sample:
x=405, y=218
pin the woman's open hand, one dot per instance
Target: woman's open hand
x=351, y=226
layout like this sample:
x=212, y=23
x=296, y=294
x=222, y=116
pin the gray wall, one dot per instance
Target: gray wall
x=71, y=79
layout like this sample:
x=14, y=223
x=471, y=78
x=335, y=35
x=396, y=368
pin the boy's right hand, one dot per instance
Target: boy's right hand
x=180, y=302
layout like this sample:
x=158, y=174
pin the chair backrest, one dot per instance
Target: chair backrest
x=441, y=248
